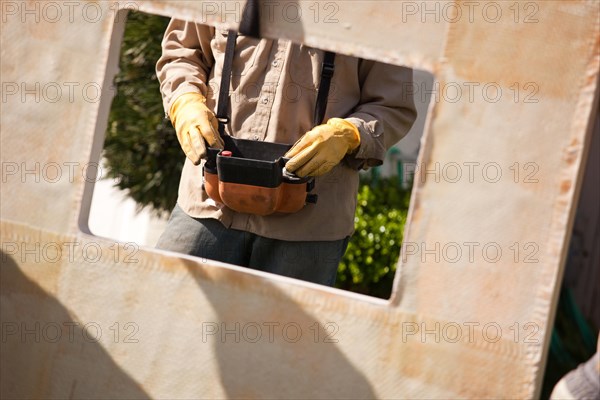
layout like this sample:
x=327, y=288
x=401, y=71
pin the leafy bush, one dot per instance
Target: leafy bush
x=141, y=148
x=369, y=264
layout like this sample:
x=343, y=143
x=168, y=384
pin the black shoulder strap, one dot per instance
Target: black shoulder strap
x=222, y=107
x=249, y=26
x=326, y=75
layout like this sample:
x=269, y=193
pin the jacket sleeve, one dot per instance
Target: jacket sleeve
x=186, y=61
x=385, y=112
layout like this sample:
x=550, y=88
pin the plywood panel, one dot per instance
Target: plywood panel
x=83, y=317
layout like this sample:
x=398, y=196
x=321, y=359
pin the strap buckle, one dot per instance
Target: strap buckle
x=327, y=70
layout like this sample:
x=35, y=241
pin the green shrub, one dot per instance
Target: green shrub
x=141, y=148
x=370, y=261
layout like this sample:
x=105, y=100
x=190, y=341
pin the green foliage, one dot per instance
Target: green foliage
x=141, y=147
x=370, y=261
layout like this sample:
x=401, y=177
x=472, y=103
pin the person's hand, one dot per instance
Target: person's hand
x=322, y=148
x=194, y=124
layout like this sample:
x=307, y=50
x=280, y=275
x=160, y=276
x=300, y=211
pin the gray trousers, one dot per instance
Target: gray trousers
x=313, y=261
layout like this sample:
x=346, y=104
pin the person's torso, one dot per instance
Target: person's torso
x=272, y=98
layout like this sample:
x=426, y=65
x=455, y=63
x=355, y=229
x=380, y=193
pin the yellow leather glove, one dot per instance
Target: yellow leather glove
x=322, y=148
x=194, y=124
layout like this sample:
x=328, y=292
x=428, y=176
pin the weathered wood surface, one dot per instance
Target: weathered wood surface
x=85, y=318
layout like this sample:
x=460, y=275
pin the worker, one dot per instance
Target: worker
x=274, y=85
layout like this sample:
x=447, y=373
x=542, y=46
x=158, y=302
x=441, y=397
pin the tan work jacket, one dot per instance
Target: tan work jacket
x=273, y=94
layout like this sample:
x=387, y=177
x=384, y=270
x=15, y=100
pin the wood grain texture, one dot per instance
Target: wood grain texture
x=83, y=317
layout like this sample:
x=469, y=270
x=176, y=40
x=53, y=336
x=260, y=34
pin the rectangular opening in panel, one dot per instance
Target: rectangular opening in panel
x=283, y=200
